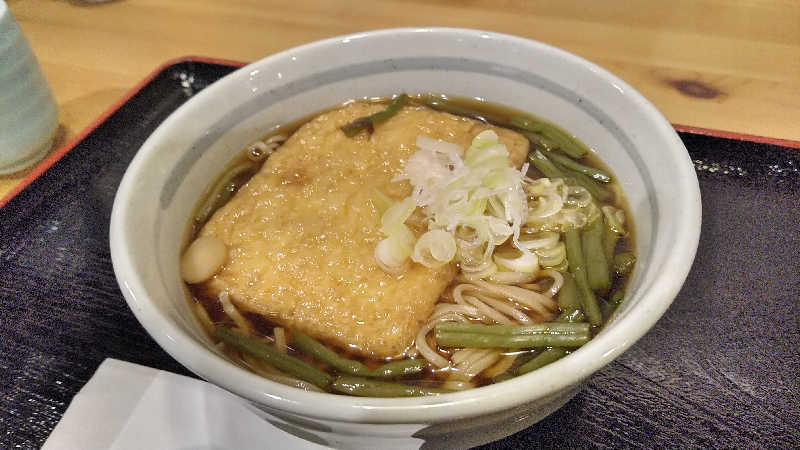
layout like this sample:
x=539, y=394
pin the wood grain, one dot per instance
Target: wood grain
x=729, y=65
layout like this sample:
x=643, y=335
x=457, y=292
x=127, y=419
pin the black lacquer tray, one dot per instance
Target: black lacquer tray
x=720, y=369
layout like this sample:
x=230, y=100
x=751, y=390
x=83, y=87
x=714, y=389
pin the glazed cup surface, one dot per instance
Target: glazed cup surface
x=171, y=170
x=28, y=111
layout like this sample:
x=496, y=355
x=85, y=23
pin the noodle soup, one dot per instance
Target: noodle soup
x=408, y=246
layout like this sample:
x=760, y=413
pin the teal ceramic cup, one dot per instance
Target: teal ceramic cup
x=28, y=112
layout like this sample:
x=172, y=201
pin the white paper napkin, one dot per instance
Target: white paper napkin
x=128, y=406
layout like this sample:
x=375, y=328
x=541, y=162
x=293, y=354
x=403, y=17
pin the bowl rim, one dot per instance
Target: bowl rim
x=538, y=384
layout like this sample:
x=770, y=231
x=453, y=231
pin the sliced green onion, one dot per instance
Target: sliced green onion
x=478, y=207
x=381, y=202
x=434, y=249
x=521, y=262
x=494, y=156
x=497, y=176
x=456, y=198
x=393, y=253
x=499, y=230
x=397, y=215
x=485, y=139
x=484, y=272
x=543, y=239
x=486, y=152
x=553, y=256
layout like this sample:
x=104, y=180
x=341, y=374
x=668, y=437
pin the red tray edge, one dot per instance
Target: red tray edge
x=59, y=153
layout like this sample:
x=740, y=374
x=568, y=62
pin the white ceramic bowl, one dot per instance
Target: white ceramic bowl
x=176, y=163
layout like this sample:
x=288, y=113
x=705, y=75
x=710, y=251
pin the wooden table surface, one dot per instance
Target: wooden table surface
x=723, y=64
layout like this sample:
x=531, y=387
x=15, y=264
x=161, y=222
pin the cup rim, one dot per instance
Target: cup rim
x=484, y=400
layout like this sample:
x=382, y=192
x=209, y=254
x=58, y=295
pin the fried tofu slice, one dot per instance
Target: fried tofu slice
x=301, y=234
